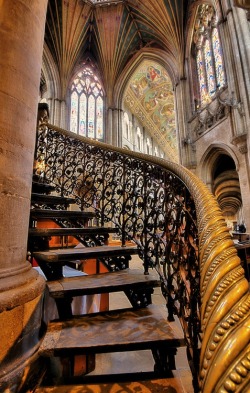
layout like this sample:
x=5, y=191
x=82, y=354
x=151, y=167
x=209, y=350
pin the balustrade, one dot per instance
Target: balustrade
x=178, y=228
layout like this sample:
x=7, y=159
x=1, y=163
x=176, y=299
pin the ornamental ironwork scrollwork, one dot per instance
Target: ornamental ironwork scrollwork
x=180, y=232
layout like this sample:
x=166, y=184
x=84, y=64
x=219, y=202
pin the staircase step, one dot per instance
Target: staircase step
x=48, y=232
x=38, y=186
x=102, y=283
x=112, y=331
x=65, y=255
x=60, y=214
x=51, y=199
x=163, y=385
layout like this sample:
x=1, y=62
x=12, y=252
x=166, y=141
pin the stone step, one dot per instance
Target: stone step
x=49, y=232
x=51, y=199
x=37, y=214
x=102, y=283
x=61, y=256
x=114, y=331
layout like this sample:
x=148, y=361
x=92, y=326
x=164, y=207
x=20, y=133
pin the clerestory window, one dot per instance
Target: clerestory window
x=208, y=54
x=87, y=105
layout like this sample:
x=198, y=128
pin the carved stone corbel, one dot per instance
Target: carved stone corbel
x=241, y=142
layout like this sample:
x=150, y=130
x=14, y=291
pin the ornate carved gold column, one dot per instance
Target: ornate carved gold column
x=21, y=288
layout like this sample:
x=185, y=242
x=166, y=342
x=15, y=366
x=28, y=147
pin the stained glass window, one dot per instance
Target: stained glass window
x=74, y=111
x=87, y=103
x=99, y=118
x=209, y=59
x=82, y=115
x=201, y=75
x=220, y=74
x=211, y=86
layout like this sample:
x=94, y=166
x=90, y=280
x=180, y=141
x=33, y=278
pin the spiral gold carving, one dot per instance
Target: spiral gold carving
x=225, y=298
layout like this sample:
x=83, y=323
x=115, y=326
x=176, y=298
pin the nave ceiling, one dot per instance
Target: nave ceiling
x=116, y=35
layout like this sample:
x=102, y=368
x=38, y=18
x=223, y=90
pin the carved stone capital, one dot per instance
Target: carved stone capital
x=241, y=142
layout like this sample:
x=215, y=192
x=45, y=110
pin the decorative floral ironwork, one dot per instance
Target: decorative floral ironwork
x=149, y=204
x=164, y=208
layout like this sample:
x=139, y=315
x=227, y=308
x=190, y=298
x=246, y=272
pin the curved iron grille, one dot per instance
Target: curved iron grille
x=164, y=208
x=149, y=204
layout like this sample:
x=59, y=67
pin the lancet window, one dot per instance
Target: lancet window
x=208, y=54
x=87, y=105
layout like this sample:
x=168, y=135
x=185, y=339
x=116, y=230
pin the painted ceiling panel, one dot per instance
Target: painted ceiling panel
x=150, y=93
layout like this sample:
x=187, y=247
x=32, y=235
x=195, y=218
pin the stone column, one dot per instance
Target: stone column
x=115, y=131
x=109, y=128
x=63, y=115
x=235, y=32
x=22, y=25
x=184, y=138
x=57, y=112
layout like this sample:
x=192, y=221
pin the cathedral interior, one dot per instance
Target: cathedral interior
x=136, y=114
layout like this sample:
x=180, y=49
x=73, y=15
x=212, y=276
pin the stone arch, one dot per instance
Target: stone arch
x=220, y=172
x=157, y=56
x=209, y=158
x=53, y=94
x=51, y=74
x=85, y=83
x=165, y=134
x=126, y=147
x=191, y=55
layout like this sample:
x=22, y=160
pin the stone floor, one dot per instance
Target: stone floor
x=142, y=361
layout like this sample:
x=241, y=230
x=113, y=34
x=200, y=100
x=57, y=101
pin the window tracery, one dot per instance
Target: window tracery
x=87, y=105
x=208, y=54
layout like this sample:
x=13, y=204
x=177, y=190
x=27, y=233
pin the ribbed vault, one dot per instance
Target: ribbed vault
x=112, y=33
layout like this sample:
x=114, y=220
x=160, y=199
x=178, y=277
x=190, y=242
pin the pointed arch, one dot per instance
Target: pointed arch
x=165, y=136
x=86, y=96
x=209, y=158
x=154, y=55
x=51, y=74
x=220, y=172
x=206, y=53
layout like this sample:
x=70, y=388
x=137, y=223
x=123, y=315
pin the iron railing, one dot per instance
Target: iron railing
x=179, y=230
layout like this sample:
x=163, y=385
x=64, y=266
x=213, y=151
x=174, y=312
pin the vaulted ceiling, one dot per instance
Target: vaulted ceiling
x=114, y=34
